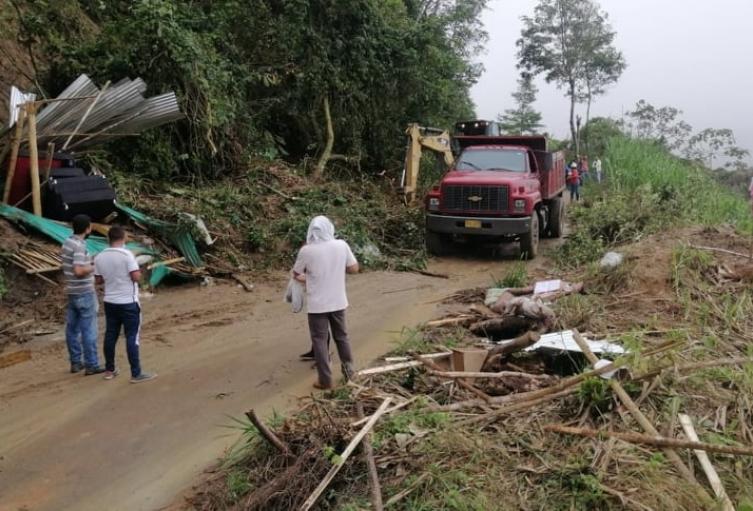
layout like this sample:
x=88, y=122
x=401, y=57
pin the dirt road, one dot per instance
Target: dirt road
x=74, y=442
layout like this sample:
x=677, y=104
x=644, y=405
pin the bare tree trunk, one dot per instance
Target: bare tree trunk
x=573, y=133
x=588, y=113
x=327, y=153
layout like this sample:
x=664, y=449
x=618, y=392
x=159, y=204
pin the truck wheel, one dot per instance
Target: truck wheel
x=437, y=244
x=556, y=217
x=529, y=242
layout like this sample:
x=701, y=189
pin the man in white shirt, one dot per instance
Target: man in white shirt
x=597, y=169
x=117, y=268
x=322, y=264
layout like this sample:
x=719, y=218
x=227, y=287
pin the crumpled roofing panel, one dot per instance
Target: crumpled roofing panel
x=96, y=116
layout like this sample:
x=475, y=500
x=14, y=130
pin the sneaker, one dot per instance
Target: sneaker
x=94, y=370
x=109, y=375
x=309, y=355
x=143, y=377
x=319, y=386
x=77, y=368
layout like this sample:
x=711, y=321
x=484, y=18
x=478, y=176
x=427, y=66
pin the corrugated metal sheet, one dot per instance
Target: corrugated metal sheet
x=17, y=98
x=120, y=110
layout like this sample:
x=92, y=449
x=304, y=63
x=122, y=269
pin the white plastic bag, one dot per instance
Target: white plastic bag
x=294, y=295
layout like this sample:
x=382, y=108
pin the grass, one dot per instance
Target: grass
x=517, y=276
x=647, y=189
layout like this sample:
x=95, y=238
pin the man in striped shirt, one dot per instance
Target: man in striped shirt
x=81, y=315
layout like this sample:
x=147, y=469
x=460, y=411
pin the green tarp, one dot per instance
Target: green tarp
x=96, y=244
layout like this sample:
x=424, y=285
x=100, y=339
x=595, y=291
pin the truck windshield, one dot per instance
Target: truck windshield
x=493, y=159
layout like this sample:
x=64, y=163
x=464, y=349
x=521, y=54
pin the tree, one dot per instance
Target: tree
x=705, y=145
x=523, y=118
x=568, y=40
x=660, y=123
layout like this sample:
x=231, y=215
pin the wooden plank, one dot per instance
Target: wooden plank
x=708, y=468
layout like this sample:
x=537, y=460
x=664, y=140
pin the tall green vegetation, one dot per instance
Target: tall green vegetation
x=647, y=189
x=570, y=42
x=522, y=119
x=253, y=76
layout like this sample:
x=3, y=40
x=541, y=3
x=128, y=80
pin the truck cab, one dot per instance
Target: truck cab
x=500, y=188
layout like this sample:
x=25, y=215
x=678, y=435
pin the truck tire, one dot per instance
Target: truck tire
x=529, y=242
x=556, y=217
x=437, y=244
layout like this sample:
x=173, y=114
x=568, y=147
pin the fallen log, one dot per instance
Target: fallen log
x=517, y=344
x=368, y=454
x=340, y=461
x=267, y=433
x=502, y=327
x=462, y=320
x=656, y=441
x=708, y=468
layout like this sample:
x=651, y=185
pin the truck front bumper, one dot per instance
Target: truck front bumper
x=477, y=226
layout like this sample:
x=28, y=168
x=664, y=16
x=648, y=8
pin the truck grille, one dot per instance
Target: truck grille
x=474, y=199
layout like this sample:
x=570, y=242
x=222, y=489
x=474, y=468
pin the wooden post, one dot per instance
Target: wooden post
x=36, y=196
x=15, y=143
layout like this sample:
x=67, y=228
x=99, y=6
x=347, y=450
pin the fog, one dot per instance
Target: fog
x=694, y=55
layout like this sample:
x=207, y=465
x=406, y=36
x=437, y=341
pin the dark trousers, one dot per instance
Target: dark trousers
x=127, y=316
x=319, y=326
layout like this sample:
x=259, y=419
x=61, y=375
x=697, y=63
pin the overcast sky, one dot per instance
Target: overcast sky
x=695, y=55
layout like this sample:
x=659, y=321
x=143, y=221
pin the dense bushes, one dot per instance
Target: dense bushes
x=252, y=76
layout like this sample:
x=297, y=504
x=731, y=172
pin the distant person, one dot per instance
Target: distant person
x=573, y=182
x=117, y=268
x=583, y=169
x=322, y=264
x=597, y=169
x=81, y=313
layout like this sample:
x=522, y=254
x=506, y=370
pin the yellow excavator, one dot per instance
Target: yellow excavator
x=420, y=138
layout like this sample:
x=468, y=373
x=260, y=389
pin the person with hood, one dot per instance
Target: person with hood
x=322, y=264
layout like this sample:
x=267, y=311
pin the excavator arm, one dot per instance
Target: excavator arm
x=420, y=138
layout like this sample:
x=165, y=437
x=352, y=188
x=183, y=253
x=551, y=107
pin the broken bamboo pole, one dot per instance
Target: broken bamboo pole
x=388, y=411
x=36, y=194
x=649, y=428
x=467, y=386
x=368, y=454
x=340, y=461
x=653, y=440
x=267, y=433
x=716, y=483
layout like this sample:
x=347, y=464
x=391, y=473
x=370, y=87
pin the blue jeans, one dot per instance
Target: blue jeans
x=127, y=316
x=81, y=328
x=574, y=191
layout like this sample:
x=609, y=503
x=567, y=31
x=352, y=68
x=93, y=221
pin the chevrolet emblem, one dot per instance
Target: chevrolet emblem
x=475, y=198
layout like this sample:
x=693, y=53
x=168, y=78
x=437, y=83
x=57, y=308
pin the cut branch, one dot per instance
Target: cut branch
x=656, y=441
x=267, y=433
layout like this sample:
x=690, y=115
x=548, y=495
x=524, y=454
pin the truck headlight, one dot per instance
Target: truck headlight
x=520, y=205
x=433, y=204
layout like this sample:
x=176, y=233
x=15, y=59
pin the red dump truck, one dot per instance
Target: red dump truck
x=499, y=188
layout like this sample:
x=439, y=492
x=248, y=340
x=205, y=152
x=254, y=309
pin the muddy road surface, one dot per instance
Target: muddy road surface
x=82, y=443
